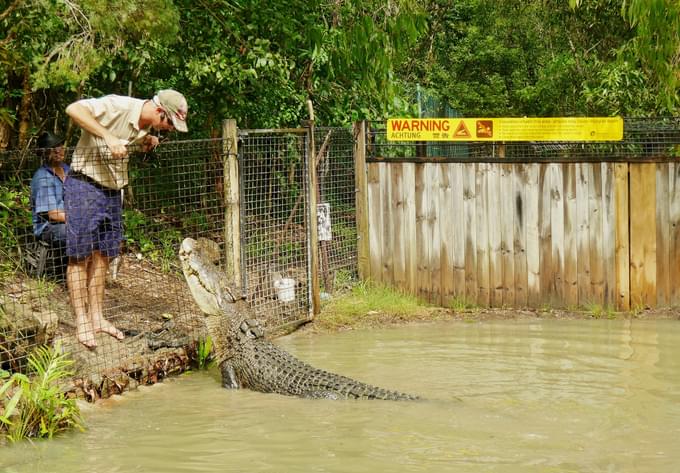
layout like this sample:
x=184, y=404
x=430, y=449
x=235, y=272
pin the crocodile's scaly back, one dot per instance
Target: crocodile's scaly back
x=247, y=359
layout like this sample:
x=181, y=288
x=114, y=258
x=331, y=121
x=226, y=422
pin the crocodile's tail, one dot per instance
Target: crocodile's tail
x=279, y=371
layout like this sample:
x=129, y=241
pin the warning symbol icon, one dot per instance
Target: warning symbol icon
x=461, y=131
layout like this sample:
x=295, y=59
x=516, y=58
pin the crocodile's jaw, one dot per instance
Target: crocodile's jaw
x=202, y=278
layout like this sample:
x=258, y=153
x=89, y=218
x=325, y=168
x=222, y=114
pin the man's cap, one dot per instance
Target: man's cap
x=49, y=140
x=176, y=107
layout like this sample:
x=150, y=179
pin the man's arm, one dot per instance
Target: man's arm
x=83, y=117
x=56, y=215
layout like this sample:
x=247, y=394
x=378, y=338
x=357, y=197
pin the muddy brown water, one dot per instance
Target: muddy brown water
x=501, y=396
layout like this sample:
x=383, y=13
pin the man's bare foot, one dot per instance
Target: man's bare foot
x=85, y=334
x=104, y=326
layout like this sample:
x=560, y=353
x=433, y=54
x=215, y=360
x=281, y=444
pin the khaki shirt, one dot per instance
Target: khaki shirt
x=120, y=115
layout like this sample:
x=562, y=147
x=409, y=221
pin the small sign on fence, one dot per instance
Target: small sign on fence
x=323, y=218
x=506, y=129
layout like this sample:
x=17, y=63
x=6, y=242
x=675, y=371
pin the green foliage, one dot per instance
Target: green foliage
x=204, y=352
x=35, y=405
x=65, y=43
x=14, y=215
x=152, y=239
x=537, y=58
x=257, y=61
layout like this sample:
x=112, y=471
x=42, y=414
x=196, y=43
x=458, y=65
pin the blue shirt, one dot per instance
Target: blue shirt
x=47, y=193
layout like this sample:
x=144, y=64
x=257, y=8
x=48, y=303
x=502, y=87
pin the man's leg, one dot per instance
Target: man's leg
x=77, y=278
x=96, y=281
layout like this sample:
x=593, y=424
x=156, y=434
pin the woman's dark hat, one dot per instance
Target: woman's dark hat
x=48, y=140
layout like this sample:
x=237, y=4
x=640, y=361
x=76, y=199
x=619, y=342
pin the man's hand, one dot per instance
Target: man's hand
x=117, y=147
x=150, y=143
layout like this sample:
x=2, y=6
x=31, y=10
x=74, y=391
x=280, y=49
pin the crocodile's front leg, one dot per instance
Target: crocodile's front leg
x=229, y=379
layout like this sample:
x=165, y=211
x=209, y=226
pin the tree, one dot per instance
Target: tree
x=46, y=45
x=534, y=58
x=656, y=44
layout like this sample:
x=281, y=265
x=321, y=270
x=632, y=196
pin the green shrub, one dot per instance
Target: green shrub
x=35, y=405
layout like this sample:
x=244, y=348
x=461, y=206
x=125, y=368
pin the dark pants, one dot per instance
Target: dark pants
x=55, y=236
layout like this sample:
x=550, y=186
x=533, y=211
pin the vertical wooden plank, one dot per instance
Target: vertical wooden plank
x=481, y=203
x=663, y=284
x=570, y=234
x=398, y=227
x=434, y=264
x=583, y=235
x=622, y=251
x=642, y=235
x=470, y=196
x=458, y=212
x=375, y=229
x=609, y=235
x=519, y=200
x=545, y=237
x=409, y=178
x=494, y=226
x=387, y=232
x=533, y=243
x=507, y=219
x=446, y=231
x=361, y=203
x=423, y=238
x=557, y=206
x=674, y=228
x=595, y=233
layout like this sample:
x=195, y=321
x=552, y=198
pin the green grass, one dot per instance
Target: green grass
x=599, y=312
x=460, y=304
x=366, y=302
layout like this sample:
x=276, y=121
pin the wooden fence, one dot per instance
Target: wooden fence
x=571, y=235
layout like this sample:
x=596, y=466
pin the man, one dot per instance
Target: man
x=99, y=169
x=47, y=200
x=47, y=191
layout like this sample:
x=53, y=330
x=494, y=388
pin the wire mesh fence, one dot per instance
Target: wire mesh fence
x=337, y=202
x=274, y=224
x=147, y=311
x=174, y=192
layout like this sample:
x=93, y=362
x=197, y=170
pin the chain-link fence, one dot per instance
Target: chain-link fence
x=174, y=192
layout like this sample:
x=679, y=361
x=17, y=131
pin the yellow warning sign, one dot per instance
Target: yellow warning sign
x=506, y=129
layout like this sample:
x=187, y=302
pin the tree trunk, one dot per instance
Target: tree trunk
x=25, y=110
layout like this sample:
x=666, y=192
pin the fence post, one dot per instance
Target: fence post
x=361, y=196
x=232, y=203
x=313, y=218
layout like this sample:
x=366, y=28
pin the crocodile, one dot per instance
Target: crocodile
x=247, y=359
